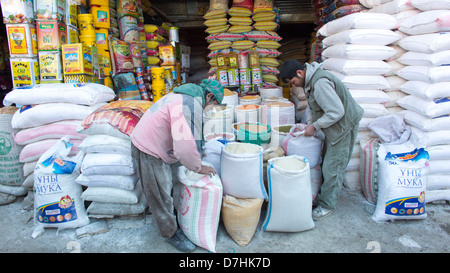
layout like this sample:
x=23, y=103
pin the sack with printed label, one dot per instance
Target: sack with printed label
x=401, y=185
x=57, y=198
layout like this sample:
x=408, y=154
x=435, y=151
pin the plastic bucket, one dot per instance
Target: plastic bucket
x=86, y=24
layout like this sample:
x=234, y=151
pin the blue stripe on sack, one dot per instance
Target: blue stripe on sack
x=269, y=211
x=261, y=176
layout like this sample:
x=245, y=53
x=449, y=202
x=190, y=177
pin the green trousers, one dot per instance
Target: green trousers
x=335, y=161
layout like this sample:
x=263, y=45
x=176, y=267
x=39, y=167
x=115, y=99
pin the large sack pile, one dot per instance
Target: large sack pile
x=49, y=112
x=422, y=76
x=357, y=48
x=108, y=170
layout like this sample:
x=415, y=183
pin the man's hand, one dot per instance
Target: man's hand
x=309, y=130
x=207, y=170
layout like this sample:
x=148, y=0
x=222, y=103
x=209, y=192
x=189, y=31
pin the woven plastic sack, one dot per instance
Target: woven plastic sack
x=402, y=185
x=426, y=22
x=241, y=170
x=290, y=202
x=310, y=147
x=240, y=217
x=76, y=93
x=359, y=21
x=117, y=118
x=199, y=207
x=57, y=198
x=11, y=170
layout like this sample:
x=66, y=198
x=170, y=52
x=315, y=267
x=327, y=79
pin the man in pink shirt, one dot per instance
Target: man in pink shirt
x=170, y=132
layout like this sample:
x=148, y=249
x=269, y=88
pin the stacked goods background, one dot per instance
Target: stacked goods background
x=54, y=43
x=245, y=26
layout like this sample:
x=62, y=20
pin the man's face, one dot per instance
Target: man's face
x=210, y=102
x=298, y=80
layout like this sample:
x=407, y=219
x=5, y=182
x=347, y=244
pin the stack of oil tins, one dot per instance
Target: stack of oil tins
x=163, y=57
x=21, y=31
x=248, y=32
x=101, y=41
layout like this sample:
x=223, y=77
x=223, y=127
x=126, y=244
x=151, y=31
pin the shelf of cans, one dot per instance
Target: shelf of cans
x=245, y=30
x=76, y=41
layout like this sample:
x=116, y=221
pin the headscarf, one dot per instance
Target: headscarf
x=199, y=91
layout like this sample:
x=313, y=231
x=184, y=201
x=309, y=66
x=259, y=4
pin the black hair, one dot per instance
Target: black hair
x=289, y=69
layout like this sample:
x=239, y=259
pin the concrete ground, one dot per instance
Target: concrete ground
x=349, y=229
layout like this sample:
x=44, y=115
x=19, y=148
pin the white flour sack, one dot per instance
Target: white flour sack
x=290, y=202
x=430, y=4
x=212, y=150
x=360, y=52
x=357, y=67
x=110, y=164
x=241, y=168
x=57, y=198
x=426, y=43
x=362, y=37
x=76, y=93
x=40, y=114
x=429, y=74
x=310, y=147
x=402, y=185
x=359, y=21
x=199, y=207
x=426, y=22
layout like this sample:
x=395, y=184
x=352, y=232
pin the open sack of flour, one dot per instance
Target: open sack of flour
x=199, y=207
x=402, y=185
x=242, y=170
x=57, y=199
x=290, y=202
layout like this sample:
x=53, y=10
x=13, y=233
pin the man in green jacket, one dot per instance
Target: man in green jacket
x=332, y=109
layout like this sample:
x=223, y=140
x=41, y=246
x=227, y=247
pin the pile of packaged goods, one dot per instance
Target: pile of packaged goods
x=102, y=41
x=244, y=47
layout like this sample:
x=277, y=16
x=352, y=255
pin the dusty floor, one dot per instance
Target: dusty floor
x=349, y=230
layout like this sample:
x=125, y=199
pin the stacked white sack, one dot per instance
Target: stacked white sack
x=401, y=10
x=108, y=169
x=427, y=76
x=356, y=51
x=49, y=112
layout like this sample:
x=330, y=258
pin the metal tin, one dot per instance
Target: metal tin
x=50, y=10
x=22, y=40
x=51, y=35
x=24, y=71
x=77, y=59
x=50, y=66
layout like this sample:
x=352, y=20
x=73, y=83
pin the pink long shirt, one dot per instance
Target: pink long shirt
x=167, y=131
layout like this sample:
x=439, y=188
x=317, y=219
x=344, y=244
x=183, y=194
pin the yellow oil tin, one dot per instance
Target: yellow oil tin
x=101, y=16
x=77, y=59
x=158, y=91
x=86, y=24
x=50, y=66
x=22, y=40
x=25, y=71
x=157, y=74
